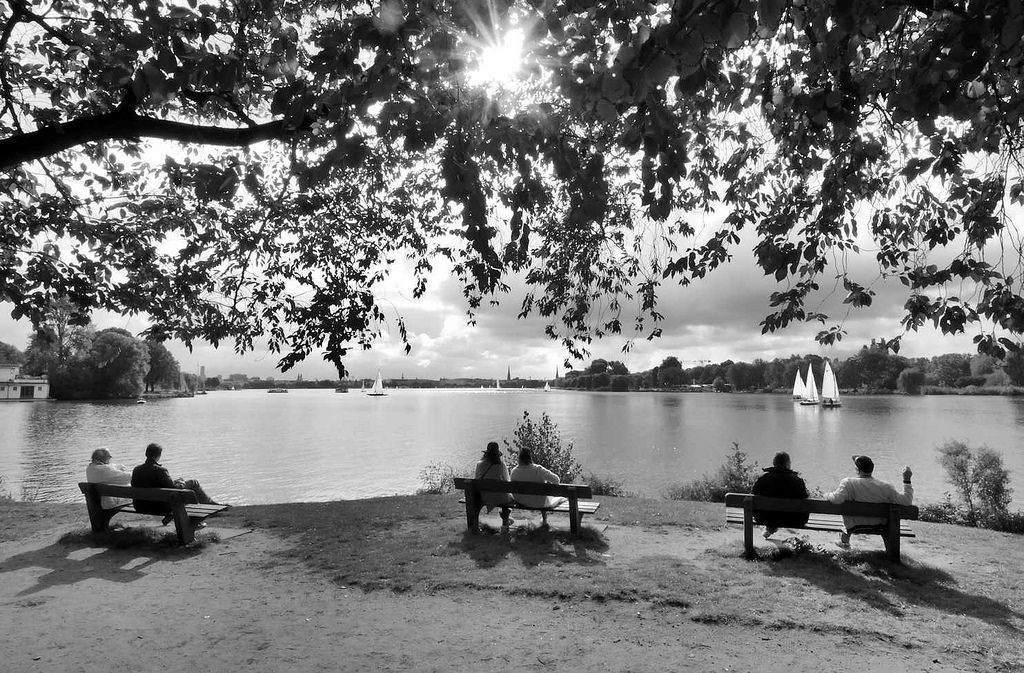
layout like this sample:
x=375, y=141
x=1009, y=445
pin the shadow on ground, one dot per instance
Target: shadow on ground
x=534, y=545
x=870, y=577
x=118, y=555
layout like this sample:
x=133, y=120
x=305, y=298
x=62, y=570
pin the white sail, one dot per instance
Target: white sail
x=378, y=387
x=798, y=386
x=497, y=384
x=810, y=388
x=547, y=388
x=829, y=388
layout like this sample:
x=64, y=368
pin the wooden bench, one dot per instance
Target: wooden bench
x=824, y=515
x=577, y=498
x=184, y=506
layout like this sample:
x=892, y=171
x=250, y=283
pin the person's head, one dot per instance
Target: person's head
x=525, y=457
x=101, y=456
x=865, y=466
x=492, y=452
x=153, y=452
x=781, y=460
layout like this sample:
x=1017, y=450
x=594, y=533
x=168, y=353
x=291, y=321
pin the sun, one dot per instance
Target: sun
x=499, y=61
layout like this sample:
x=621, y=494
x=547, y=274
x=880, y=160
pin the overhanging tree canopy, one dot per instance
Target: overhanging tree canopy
x=314, y=143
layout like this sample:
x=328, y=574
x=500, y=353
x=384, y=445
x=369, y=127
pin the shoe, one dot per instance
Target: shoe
x=201, y=524
x=507, y=522
x=769, y=531
x=844, y=541
x=167, y=519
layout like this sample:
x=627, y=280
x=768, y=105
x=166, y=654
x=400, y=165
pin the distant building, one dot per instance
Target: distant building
x=508, y=377
x=17, y=388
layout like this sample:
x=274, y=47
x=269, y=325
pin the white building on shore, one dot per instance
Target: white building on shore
x=17, y=388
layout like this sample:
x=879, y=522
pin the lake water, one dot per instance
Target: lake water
x=251, y=447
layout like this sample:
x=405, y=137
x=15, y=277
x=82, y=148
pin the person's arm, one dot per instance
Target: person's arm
x=550, y=477
x=803, y=489
x=113, y=475
x=907, y=497
x=841, y=494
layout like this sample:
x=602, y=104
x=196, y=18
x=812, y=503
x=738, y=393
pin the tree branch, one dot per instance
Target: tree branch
x=123, y=124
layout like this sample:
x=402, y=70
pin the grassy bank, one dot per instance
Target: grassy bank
x=960, y=592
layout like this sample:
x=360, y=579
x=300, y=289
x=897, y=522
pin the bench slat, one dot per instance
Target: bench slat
x=525, y=487
x=825, y=522
x=586, y=506
x=880, y=509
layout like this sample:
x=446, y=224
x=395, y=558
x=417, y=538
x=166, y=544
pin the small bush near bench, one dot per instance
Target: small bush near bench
x=982, y=487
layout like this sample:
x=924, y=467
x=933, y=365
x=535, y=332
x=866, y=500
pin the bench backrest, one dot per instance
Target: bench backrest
x=525, y=487
x=763, y=502
x=154, y=494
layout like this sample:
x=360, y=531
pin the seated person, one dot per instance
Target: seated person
x=527, y=470
x=491, y=467
x=865, y=488
x=779, y=481
x=102, y=471
x=152, y=474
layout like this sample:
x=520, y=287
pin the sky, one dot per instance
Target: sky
x=714, y=319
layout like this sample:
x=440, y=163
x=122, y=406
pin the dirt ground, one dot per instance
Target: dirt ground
x=240, y=605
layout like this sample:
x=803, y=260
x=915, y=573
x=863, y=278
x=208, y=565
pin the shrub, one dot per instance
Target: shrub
x=607, y=486
x=736, y=475
x=4, y=495
x=981, y=483
x=545, y=443
x=437, y=478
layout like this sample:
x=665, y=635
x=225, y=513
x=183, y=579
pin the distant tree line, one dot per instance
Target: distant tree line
x=873, y=369
x=82, y=363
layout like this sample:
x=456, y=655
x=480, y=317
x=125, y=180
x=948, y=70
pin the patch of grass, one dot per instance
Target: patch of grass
x=134, y=537
x=21, y=519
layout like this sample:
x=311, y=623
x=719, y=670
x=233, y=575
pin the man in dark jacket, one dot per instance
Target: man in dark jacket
x=779, y=481
x=152, y=474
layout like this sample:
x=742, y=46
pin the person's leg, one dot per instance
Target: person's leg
x=194, y=486
x=506, y=517
x=769, y=531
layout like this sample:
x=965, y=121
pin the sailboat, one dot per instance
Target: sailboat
x=799, y=387
x=378, y=387
x=547, y=387
x=810, y=388
x=497, y=384
x=829, y=388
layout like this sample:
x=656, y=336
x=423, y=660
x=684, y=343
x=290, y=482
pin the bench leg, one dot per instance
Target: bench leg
x=892, y=539
x=183, y=525
x=575, y=518
x=472, y=509
x=99, y=518
x=748, y=528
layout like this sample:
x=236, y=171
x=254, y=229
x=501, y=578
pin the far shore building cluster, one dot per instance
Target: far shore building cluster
x=17, y=388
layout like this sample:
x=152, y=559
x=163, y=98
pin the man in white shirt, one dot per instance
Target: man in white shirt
x=102, y=471
x=865, y=488
x=526, y=470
